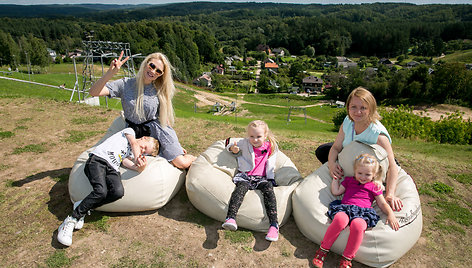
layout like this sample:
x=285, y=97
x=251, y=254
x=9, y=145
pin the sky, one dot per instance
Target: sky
x=156, y=2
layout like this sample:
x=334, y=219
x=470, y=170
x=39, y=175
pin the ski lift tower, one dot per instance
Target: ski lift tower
x=101, y=49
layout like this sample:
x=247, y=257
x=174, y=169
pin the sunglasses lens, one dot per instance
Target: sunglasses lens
x=154, y=68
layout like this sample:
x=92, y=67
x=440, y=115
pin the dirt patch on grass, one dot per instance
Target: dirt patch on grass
x=34, y=200
x=442, y=110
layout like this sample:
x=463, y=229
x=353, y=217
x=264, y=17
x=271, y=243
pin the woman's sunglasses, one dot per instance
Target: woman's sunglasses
x=154, y=68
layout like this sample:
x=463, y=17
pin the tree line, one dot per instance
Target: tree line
x=200, y=34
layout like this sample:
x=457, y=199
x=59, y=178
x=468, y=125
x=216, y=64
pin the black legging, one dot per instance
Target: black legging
x=240, y=191
x=322, y=152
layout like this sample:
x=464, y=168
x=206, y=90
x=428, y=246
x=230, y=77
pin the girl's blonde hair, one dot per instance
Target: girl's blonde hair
x=369, y=99
x=164, y=86
x=268, y=133
x=369, y=160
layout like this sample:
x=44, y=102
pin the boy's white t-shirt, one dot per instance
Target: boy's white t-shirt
x=115, y=148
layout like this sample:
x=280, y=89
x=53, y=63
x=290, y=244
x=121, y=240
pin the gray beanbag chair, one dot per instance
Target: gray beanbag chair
x=148, y=190
x=209, y=186
x=381, y=246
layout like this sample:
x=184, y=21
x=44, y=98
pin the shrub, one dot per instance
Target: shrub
x=401, y=122
x=452, y=129
x=338, y=118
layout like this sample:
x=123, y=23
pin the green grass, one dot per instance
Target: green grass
x=463, y=178
x=6, y=134
x=451, y=212
x=61, y=178
x=238, y=236
x=464, y=56
x=59, y=259
x=87, y=120
x=101, y=222
x=281, y=99
x=31, y=148
x=78, y=136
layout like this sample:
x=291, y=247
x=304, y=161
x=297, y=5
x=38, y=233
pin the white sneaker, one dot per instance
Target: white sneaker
x=64, y=233
x=80, y=222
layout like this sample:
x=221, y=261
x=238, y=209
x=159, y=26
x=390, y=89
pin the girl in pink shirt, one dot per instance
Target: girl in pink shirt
x=256, y=156
x=355, y=209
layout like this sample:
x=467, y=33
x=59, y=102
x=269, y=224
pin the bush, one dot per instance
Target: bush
x=452, y=129
x=401, y=122
x=338, y=118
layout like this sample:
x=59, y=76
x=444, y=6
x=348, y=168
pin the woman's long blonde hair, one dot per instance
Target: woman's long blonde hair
x=369, y=160
x=369, y=99
x=164, y=86
x=268, y=133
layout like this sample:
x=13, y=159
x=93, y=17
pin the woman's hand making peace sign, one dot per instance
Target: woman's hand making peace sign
x=98, y=88
x=116, y=64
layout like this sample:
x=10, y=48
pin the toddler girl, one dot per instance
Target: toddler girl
x=256, y=156
x=355, y=209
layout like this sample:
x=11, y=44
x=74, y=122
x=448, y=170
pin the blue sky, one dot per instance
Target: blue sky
x=419, y=2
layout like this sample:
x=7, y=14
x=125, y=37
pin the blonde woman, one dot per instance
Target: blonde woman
x=362, y=124
x=147, y=103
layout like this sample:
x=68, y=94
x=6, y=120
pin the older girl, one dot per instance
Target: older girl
x=362, y=124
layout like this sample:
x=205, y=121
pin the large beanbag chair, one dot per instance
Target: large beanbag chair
x=148, y=190
x=381, y=246
x=209, y=186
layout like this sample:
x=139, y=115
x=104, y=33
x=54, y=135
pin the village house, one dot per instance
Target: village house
x=204, y=80
x=345, y=63
x=312, y=84
x=278, y=52
x=412, y=64
x=271, y=66
x=219, y=69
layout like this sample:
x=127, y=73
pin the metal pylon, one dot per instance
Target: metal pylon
x=102, y=49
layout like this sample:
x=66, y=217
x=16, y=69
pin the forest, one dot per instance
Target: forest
x=201, y=34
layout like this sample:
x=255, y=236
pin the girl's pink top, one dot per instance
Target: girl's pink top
x=261, y=154
x=358, y=194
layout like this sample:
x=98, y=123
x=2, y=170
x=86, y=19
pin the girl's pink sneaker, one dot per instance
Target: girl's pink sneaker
x=230, y=224
x=272, y=234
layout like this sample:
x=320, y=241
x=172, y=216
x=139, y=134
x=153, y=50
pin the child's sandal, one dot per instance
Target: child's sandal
x=320, y=256
x=345, y=263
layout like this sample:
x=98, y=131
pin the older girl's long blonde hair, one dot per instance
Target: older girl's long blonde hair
x=369, y=160
x=164, y=86
x=268, y=133
x=367, y=97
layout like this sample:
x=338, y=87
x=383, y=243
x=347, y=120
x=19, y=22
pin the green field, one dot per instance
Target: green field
x=442, y=173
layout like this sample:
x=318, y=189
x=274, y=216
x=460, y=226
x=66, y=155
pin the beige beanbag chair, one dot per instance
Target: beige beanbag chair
x=209, y=186
x=381, y=246
x=148, y=190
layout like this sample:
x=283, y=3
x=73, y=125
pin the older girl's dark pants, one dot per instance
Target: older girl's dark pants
x=106, y=185
x=240, y=191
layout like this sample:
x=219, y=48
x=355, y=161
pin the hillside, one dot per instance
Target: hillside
x=34, y=199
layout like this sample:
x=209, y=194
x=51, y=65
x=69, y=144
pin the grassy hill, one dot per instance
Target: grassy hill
x=42, y=133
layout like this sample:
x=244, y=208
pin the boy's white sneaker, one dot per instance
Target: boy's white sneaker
x=64, y=233
x=80, y=222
